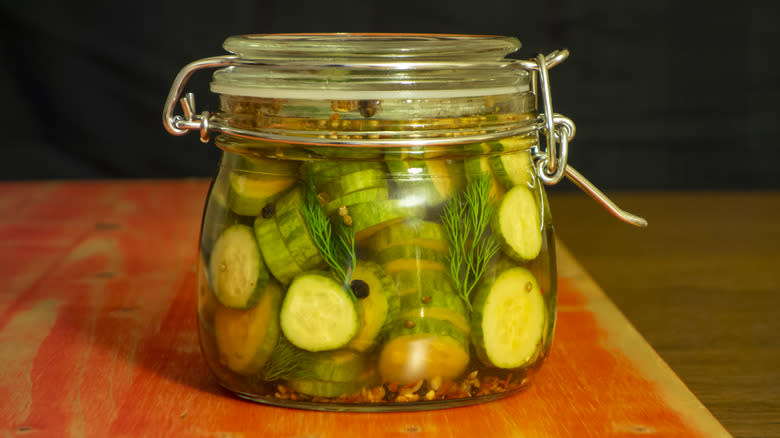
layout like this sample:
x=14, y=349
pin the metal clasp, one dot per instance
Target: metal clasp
x=558, y=130
x=178, y=125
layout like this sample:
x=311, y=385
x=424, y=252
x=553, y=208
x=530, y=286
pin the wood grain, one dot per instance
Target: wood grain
x=701, y=283
x=98, y=336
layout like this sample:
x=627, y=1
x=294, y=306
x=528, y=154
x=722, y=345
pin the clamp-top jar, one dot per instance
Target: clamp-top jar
x=377, y=236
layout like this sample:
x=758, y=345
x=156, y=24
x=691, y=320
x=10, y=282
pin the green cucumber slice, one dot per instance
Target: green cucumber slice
x=246, y=338
x=412, y=281
x=353, y=182
x=508, y=319
x=322, y=171
x=359, y=197
x=410, y=252
x=517, y=223
x=370, y=217
x=249, y=193
x=333, y=366
x=513, y=169
x=443, y=304
x=318, y=313
x=420, y=233
x=414, y=264
x=295, y=231
x=378, y=309
x=236, y=269
x=275, y=252
x=430, y=180
x=476, y=166
x=422, y=348
x=328, y=388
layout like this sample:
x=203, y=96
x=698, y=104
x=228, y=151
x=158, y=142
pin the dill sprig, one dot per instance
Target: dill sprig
x=287, y=361
x=337, y=247
x=466, y=219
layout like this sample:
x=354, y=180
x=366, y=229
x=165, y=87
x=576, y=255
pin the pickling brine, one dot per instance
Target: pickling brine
x=390, y=280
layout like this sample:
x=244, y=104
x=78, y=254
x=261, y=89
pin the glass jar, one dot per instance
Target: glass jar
x=377, y=236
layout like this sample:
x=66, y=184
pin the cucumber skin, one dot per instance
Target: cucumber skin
x=275, y=252
x=329, y=389
x=323, y=171
x=333, y=366
x=512, y=177
x=368, y=217
x=477, y=316
x=353, y=182
x=295, y=233
x=412, y=281
x=263, y=275
x=358, y=197
x=404, y=233
x=410, y=252
x=389, y=293
x=323, y=388
x=444, y=299
x=477, y=166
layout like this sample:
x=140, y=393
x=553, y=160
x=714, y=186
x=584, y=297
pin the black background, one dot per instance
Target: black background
x=665, y=94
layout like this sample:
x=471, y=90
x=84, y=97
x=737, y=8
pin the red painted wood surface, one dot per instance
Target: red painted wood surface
x=98, y=338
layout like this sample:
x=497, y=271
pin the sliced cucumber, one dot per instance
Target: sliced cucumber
x=410, y=252
x=370, y=217
x=236, y=269
x=458, y=319
x=377, y=310
x=323, y=171
x=359, y=197
x=431, y=294
x=246, y=338
x=318, y=313
x=353, y=182
x=274, y=250
x=249, y=192
x=513, y=169
x=443, y=304
x=477, y=166
x=422, y=348
x=413, y=280
x=414, y=264
x=430, y=180
x=329, y=388
x=420, y=233
x=518, y=224
x=333, y=366
x=508, y=319
x=295, y=231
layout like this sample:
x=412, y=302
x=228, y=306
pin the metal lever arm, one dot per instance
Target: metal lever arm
x=587, y=187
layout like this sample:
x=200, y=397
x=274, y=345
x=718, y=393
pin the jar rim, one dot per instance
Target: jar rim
x=291, y=47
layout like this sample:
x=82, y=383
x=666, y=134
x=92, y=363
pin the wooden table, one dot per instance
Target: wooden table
x=702, y=285
x=98, y=338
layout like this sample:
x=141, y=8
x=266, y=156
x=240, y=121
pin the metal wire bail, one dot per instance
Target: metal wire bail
x=557, y=129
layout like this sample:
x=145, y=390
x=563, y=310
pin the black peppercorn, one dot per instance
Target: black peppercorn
x=268, y=211
x=360, y=288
